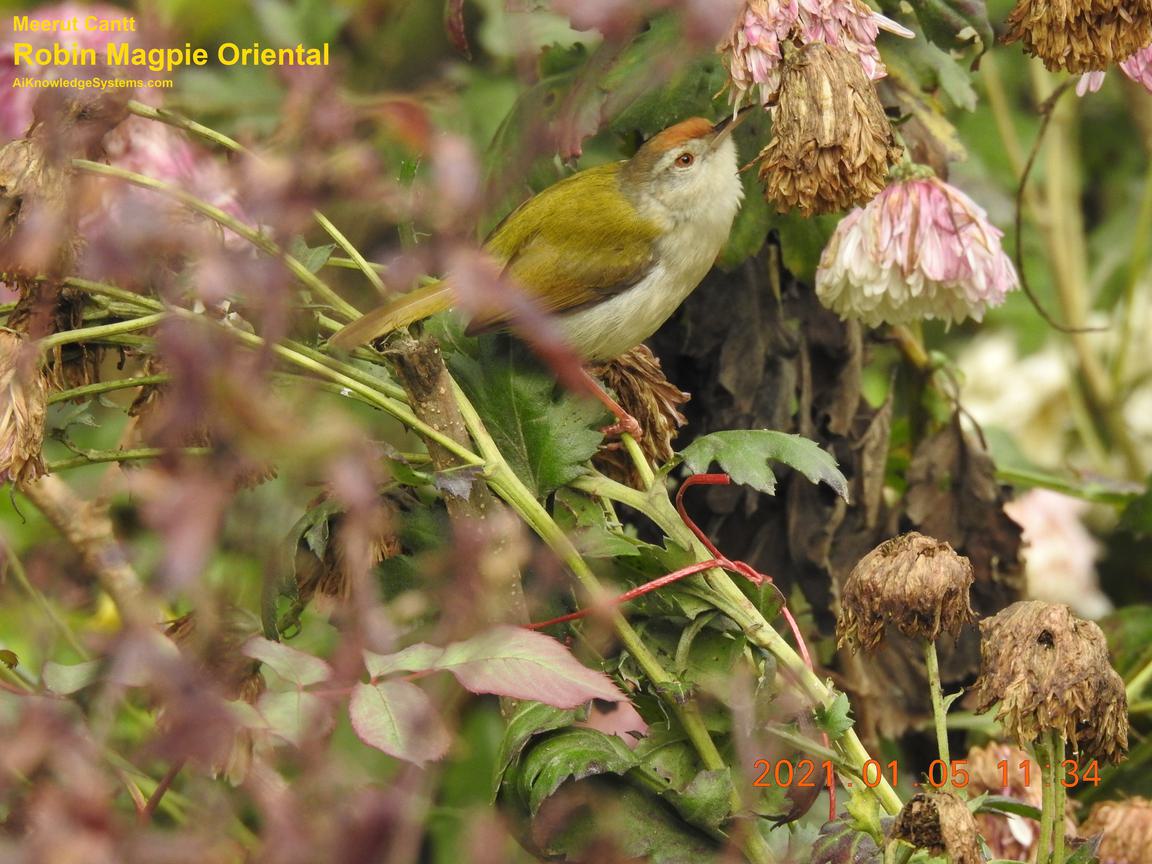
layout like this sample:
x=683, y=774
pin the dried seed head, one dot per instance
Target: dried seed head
x=917, y=583
x=322, y=565
x=22, y=411
x=1010, y=838
x=831, y=141
x=941, y=823
x=1125, y=830
x=641, y=389
x=1081, y=35
x=216, y=650
x=1049, y=669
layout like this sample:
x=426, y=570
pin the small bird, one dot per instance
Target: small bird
x=610, y=252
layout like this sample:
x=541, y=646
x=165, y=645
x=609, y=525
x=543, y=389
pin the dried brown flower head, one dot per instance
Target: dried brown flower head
x=1081, y=35
x=941, y=823
x=22, y=410
x=1010, y=837
x=216, y=647
x=916, y=583
x=1125, y=830
x=322, y=565
x=831, y=141
x=641, y=389
x=1049, y=669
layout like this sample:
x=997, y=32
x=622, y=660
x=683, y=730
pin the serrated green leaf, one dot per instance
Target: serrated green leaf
x=744, y=455
x=835, y=719
x=570, y=755
x=531, y=719
x=840, y=843
x=706, y=800
x=312, y=257
x=414, y=658
x=545, y=437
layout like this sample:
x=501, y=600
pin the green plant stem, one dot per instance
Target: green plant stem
x=180, y=122
x=1139, y=681
x=99, y=387
x=361, y=262
x=97, y=457
x=727, y=596
x=509, y=487
x=939, y=714
x=1059, y=793
x=1042, y=752
x=261, y=241
x=92, y=334
x=1137, y=263
x=16, y=567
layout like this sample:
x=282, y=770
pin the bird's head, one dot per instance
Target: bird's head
x=684, y=168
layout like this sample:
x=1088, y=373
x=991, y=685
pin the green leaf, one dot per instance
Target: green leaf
x=292, y=665
x=744, y=455
x=66, y=679
x=1137, y=516
x=835, y=719
x=398, y=718
x=414, y=658
x=1009, y=806
x=586, y=524
x=295, y=715
x=706, y=800
x=312, y=257
x=864, y=808
x=570, y=755
x=530, y=719
x=545, y=437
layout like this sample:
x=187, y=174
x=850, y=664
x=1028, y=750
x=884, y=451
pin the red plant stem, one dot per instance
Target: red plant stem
x=163, y=786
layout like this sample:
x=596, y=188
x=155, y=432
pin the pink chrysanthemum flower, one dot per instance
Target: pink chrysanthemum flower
x=1138, y=67
x=920, y=249
x=755, y=48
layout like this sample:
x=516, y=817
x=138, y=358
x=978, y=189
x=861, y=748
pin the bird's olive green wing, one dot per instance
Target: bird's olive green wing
x=574, y=244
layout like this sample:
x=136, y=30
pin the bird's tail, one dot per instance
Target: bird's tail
x=404, y=310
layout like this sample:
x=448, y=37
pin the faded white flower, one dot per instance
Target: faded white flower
x=1138, y=67
x=920, y=249
x=1060, y=553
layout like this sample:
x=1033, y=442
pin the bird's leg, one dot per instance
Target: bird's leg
x=625, y=422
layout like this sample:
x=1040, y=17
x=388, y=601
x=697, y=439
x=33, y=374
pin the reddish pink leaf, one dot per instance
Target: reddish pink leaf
x=512, y=661
x=398, y=718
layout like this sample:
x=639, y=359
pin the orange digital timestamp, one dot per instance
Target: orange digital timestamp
x=808, y=773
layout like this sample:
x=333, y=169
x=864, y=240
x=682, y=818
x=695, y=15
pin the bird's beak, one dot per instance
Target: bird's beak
x=724, y=128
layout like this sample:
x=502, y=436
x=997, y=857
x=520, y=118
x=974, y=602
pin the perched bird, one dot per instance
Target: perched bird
x=611, y=251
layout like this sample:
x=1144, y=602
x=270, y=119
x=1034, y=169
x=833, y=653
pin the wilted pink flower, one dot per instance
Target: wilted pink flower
x=1138, y=67
x=920, y=249
x=755, y=46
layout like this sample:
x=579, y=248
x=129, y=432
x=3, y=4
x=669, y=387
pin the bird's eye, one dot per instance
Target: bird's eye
x=685, y=159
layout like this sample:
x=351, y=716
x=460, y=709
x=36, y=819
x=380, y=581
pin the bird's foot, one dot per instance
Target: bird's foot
x=626, y=425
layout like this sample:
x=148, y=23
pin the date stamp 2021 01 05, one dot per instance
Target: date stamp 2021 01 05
x=808, y=773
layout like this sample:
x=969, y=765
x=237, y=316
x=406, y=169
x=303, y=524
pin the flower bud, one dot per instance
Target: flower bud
x=1124, y=828
x=1081, y=35
x=831, y=141
x=941, y=823
x=917, y=583
x=1048, y=670
x=22, y=411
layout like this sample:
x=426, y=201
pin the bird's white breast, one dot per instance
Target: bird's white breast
x=695, y=231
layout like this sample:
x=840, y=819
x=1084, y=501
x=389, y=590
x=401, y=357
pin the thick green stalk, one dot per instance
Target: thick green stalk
x=91, y=334
x=1056, y=747
x=103, y=456
x=1043, y=754
x=99, y=387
